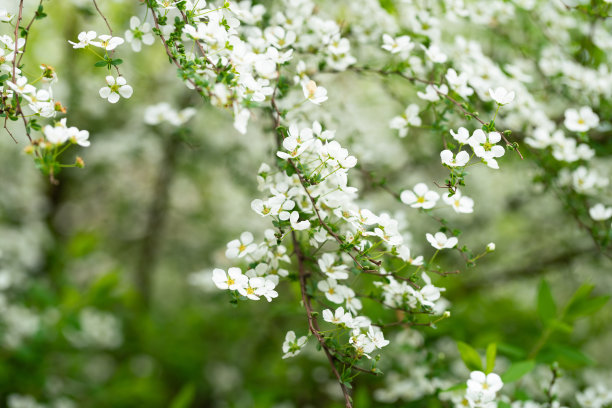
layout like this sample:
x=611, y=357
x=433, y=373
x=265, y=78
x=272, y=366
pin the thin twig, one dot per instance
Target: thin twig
x=313, y=325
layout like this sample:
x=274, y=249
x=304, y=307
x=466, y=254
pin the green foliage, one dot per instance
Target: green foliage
x=470, y=356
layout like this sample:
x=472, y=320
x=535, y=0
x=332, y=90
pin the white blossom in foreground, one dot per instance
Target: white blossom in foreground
x=459, y=203
x=337, y=317
x=485, y=147
x=238, y=248
x=451, y=160
x=139, y=34
x=501, y=95
x=440, y=241
x=108, y=42
x=462, y=136
x=482, y=389
x=420, y=197
x=85, y=38
x=312, y=92
x=231, y=280
x=115, y=89
x=292, y=346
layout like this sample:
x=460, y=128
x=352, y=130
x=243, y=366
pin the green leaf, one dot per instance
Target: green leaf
x=184, y=398
x=456, y=387
x=116, y=61
x=586, y=307
x=547, y=310
x=517, y=371
x=101, y=64
x=470, y=357
x=491, y=353
x=561, y=326
x=570, y=356
x=515, y=352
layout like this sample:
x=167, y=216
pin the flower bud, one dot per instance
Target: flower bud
x=491, y=247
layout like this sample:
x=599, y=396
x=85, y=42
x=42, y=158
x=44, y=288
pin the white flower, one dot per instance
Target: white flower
x=376, y=337
x=253, y=288
x=21, y=86
x=459, y=161
x=402, y=44
x=420, y=197
x=242, y=247
x=85, y=38
x=362, y=343
x=461, y=204
x=434, y=54
x=428, y=294
x=115, y=88
x=168, y=4
x=5, y=17
x=108, y=42
x=231, y=280
x=291, y=346
x=330, y=288
x=582, y=120
x=265, y=287
x=409, y=118
x=491, y=247
x=296, y=224
x=326, y=263
x=485, y=147
x=462, y=135
x=459, y=82
x=403, y=253
x=440, y=241
x=600, y=213
x=487, y=383
x=338, y=317
x=501, y=95
x=312, y=92
x=139, y=34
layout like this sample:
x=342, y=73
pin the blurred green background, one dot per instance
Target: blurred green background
x=106, y=299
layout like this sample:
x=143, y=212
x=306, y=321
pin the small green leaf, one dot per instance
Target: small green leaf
x=116, y=61
x=184, y=398
x=547, y=310
x=101, y=64
x=456, y=387
x=470, y=357
x=517, y=371
x=491, y=353
x=586, y=307
x=570, y=356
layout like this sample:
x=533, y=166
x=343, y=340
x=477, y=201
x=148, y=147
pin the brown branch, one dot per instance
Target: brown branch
x=110, y=30
x=204, y=55
x=313, y=325
x=27, y=30
x=19, y=16
x=169, y=53
x=324, y=224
